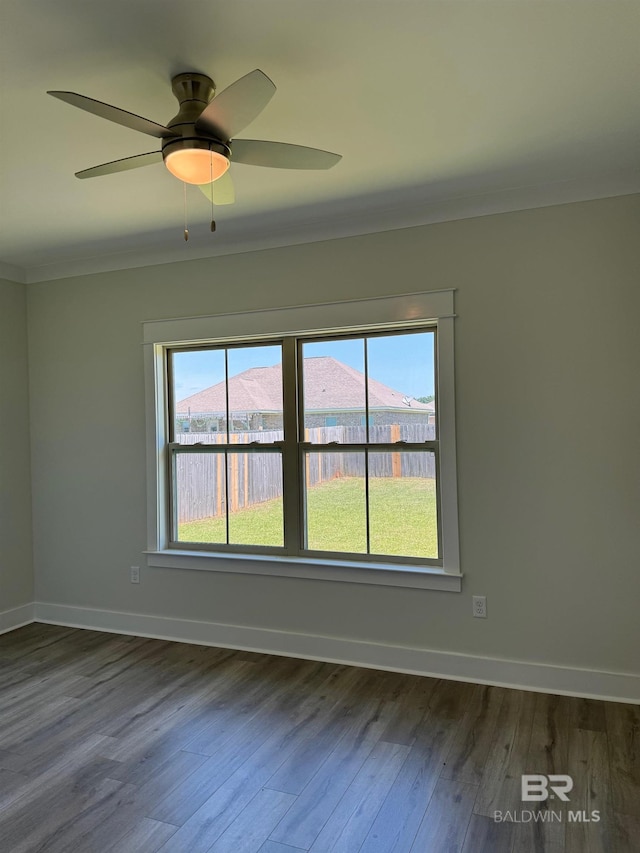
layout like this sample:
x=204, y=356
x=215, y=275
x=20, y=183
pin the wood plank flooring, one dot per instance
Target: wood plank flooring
x=118, y=744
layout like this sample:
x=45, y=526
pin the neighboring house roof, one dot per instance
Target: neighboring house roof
x=329, y=385
x=258, y=389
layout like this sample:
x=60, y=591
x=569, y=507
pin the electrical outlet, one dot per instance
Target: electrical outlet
x=135, y=574
x=480, y=606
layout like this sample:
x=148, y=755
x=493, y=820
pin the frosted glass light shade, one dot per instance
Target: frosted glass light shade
x=196, y=165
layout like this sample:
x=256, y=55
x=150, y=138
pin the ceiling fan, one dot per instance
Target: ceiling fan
x=199, y=143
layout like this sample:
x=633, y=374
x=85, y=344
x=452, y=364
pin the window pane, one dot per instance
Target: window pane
x=251, y=488
x=199, y=396
x=335, y=502
x=255, y=393
x=333, y=388
x=402, y=504
x=401, y=385
x=255, y=499
x=200, y=497
x=254, y=390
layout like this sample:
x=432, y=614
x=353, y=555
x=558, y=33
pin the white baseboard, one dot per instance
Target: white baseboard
x=16, y=617
x=522, y=675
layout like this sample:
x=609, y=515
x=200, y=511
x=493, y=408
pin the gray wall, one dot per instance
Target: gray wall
x=16, y=568
x=547, y=370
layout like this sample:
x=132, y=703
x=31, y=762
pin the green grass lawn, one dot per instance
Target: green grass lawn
x=402, y=519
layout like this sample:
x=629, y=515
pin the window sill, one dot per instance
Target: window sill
x=379, y=574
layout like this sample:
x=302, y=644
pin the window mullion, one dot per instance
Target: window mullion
x=366, y=412
x=382, y=447
x=226, y=495
x=292, y=501
x=226, y=457
x=366, y=498
x=367, y=440
x=171, y=507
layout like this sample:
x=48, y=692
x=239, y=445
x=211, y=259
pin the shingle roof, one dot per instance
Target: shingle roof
x=329, y=385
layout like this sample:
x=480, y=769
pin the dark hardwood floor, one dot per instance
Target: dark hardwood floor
x=115, y=743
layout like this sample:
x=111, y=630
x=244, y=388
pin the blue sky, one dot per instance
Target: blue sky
x=403, y=362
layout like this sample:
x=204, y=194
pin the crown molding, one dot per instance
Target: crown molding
x=390, y=211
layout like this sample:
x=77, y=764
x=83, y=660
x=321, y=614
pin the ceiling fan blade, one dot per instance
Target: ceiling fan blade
x=126, y=119
x=281, y=155
x=222, y=190
x=237, y=105
x=121, y=165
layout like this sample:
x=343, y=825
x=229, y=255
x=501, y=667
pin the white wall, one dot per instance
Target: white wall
x=548, y=422
x=16, y=568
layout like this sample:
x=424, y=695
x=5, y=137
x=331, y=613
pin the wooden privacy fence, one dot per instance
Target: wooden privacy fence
x=204, y=487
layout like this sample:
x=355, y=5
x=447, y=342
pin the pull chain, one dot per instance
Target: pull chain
x=213, y=223
x=186, y=230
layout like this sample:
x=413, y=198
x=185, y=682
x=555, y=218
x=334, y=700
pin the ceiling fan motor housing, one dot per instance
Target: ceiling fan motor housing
x=193, y=91
x=196, y=143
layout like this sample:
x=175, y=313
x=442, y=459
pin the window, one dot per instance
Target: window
x=226, y=484
x=364, y=484
x=306, y=453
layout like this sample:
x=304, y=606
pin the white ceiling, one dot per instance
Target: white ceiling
x=440, y=110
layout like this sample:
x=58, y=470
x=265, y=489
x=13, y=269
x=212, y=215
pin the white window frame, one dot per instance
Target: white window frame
x=402, y=312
